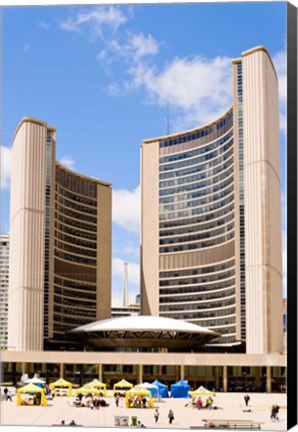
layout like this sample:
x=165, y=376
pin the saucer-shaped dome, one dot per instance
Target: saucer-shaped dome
x=144, y=332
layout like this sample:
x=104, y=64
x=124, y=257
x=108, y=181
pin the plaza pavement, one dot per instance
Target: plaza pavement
x=230, y=406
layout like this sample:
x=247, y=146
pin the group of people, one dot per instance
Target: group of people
x=198, y=403
x=89, y=401
x=137, y=401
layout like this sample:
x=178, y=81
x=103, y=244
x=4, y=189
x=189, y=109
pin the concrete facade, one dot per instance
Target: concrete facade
x=211, y=217
x=4, y=283
x=60, y=230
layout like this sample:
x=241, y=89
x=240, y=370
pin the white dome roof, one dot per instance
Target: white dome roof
x=143, y=322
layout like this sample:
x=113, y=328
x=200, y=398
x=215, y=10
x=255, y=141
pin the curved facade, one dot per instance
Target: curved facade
x=211, y=221
x=196, y=227
x=60, y=244
x=144, y=332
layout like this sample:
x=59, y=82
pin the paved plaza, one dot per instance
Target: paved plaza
x=230, y=407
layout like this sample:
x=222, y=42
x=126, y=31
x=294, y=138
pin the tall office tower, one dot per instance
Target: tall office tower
x=4, y=281
x=211, y=217
x=60, y=244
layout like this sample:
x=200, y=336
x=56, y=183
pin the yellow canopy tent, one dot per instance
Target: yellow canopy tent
x=61, y=383
x=31, y=388
x=122, y=385
x=88, y=389
x=201, y=391
x=99, y=385
x=130, y=394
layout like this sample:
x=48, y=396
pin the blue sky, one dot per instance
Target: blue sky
x=102, y=75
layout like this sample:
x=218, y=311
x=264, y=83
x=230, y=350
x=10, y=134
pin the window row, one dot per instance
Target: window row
x=75, y=249
x=197, y=168
x=68, y=283
x=75, y=222
x=198, y=151
x=78, y=295
x=199, y=210
x=76, y=241
x=75, y=183
x=195, y=237
x=197, y=185
x=198, y=280
x=198, y=306
x=66, y=302
x=74, y=197
x=199, y=288
x=227, y=121
x=198, y=270
x=199, y=192
x=197, y=160
x=73, y=214
x=200, y=202
x=200, y=245
x=200, y=227
x=73, y=258
x=75, y=206
x=211, y=314
x=219, y=322
x=191, y=179
x=201, y=297
x=76, y=232
x=67, y=310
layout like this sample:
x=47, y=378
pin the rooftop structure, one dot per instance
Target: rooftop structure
x=144, y=332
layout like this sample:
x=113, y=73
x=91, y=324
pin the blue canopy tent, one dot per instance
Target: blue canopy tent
x=162, y=389
x=180, y=389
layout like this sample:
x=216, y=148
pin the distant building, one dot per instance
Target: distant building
x=138, y=299
x=285, y=323
x=125, y=311
x=211, y=217
x=4, y=282
x=60, y=244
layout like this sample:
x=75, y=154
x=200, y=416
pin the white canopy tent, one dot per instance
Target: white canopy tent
x=151, y=387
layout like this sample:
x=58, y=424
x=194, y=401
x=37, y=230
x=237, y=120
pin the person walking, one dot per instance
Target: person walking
x=156, y=415
x=117, y=398
x=276, y=411
x=171, y=416
x=5, y=392
x=246, y=399
x=8, y=395
x=272, y=416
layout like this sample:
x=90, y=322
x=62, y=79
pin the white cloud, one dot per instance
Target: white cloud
x=95, y=20
x=142, y=46
x=135, y=47
x=127, y=208
x=133, y=270
x=284, y=267
x=68, y=162
x=130, y=249
x=5, y=167
x=280, y=63
x=198, y=89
